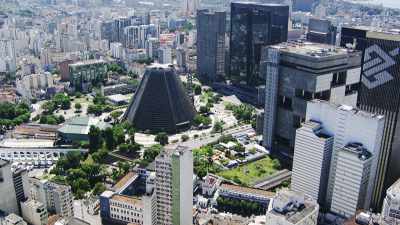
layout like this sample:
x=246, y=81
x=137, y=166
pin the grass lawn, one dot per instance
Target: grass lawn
x=250, y=173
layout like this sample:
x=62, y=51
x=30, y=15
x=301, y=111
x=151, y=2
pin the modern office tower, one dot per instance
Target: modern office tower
x=118, y=29
x=311, y=161
x=210, y=45
x=379, y=93
x=303, y=5
x=8, y=200
x=349, y=127
x=352, y=173
x=34, y=212
x=165, y=55
x=391, y=204
x=152, y=46
x=292, y=208
x=181, y=57
x=296, y=73
x=83, y=75
x=106, y=30
x=13, y=219
x=252, y=27
x=57, y=198
x=8, y=63
x=131, y=37
x=174, y=186
x=321, y=31
x=160, y=102
x=117, y=50
x=190, y=6
x=19, y=175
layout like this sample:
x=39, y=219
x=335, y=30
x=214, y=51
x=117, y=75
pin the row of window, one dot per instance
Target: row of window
x=125, y=218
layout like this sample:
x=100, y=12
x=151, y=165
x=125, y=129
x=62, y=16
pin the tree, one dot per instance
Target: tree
x=108, y=135
x=197, y=90
x=119, y=134
x=95, y=109
x=204, y=110
x=116, y=114
x=239, y=148
x=78, y=106
x=218, y=127
x=184, y=138
x=162, y=138
x=98, y=189
x=151, y=153
x=201, y=120
x=95, y=139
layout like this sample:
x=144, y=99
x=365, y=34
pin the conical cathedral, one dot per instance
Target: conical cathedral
x=160, y=102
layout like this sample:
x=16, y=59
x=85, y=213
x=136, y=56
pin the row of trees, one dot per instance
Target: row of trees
x=13, y=114
x=240, y=207
x=99, y=106
x=59, y=101
x=82, y=176
x=243, y=112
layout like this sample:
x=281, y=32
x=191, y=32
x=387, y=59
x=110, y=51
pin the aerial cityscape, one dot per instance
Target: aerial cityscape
x=199, y=112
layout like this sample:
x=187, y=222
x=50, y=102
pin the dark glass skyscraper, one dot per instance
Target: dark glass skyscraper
x=210, y=47
x=253, y=26
x=380, y=93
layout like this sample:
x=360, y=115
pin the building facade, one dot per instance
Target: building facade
x=8, y=201
x=321, y=31
x=85, y=74
x=351, y=175
x=311, y=161
x=174, y=187
x=57, y=198
x=391, y=204
x=34, y=212
x=210, y=45
x=379, y=93
x=252, y=27
x=299, y=72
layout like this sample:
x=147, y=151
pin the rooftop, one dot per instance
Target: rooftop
x=309, y=49
x=357, y=148
x=81, y=125
x=348, y=108
x=293, y=206
x=124, y=181
x=127, y=199
x=241, y=189
x=88, y=62
x=33, y=204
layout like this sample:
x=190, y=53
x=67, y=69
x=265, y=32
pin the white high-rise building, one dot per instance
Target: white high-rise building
x=312, y=154
x=8, y=199
x=56, y=197
x=13, y=219
x=165, y=55
x=117, y=50
x=348, y=126
x=352, y=171
x=391, y=204
x=34, y=212
x=174, y=186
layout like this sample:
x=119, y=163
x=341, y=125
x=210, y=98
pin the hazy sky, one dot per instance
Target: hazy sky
x=388, y=3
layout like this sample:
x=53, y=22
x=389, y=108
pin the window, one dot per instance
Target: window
x=285, y=102
x=339, y=79
x=305, y=95
x=323, y=95
x=352, y=89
